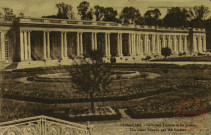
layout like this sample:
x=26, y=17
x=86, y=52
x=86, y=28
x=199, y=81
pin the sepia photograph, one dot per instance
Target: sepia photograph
x=105, y=67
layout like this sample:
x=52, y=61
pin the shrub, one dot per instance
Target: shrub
x=113, y=60
x=166, y=52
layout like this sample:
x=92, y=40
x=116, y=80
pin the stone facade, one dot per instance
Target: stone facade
x=49, y=42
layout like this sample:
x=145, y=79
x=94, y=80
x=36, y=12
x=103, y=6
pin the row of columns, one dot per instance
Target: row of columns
x=25, y=45
x=138, y=44
x=46, y=45
x=199, y=43
x=107, y=45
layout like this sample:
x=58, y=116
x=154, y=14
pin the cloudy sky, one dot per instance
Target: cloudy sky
x=38, y=8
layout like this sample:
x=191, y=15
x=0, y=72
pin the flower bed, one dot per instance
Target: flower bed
x=156, y=110
x=63, y=97
x=161, y=110
x=85, y=114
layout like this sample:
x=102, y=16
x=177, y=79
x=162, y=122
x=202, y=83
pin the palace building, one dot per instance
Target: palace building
x=38, y=42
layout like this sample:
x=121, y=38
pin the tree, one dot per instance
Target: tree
x=129, y=15
x=8, y=14
x=151, y=17
x=110, y=14
x=177, y=17
x=140, y=21
x=64, y=11
x=84, y=11
x=91, y=78
x=21, y=15
x=199, y=14
x=98, y=12
x=166, y=52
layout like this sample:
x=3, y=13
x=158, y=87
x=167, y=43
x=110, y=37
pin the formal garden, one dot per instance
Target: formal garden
x=152, y=91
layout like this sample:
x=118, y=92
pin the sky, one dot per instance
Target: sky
x=38, y=8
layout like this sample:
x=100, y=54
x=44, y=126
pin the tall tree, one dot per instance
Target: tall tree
x=8, y=14
x=199, y=14
x=64, y=11
x=84, y=11
x=130, y=15
x=110, y=14
x=91, y=78
x=21, y=15
x=98, y=12
x=151, y=17
x=177, y=17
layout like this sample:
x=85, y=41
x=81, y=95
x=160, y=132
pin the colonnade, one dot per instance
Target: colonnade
x=199, y=43
x=25, y=45
x=139, y=43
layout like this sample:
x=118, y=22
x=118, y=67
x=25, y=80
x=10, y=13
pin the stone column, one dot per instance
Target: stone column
x=141, y=45
x=78, y=44
x=119, y=44
x=159, y=44
x=137, y=44
x=48, y=45
x=81, y=44
x=204, y=44
x=62, y=45
x=65, y=44
x=163, y=41
x=156, y=44
x=180, y=44
x=146, y=44
x=2, y=45
x=130, y=44
x=185, y=44
x=107, y=45
x=21, y=46
x=25, y=46
x=149, y=46
x=134, y=44
x=121, y=54
x=169, y=42
x=175, y=44
x=29, y=45
x=93, y=43
x=44, y=45
x=153, y=43
x=95, y=39
x=194, y=43
x=200, y=44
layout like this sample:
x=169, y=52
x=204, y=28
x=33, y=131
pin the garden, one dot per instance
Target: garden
x=159, y=95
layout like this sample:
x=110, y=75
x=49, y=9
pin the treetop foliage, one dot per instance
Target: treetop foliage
x=175, y=16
